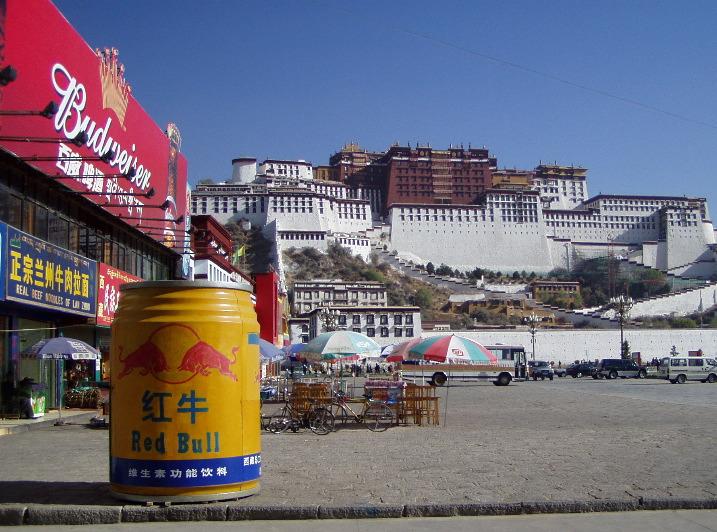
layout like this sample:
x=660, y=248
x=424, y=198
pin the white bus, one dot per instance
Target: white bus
x=510, y=366
x=679, y=369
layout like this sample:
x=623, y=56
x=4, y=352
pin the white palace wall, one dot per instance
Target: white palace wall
x=467, y=244
x=685, y=245
x=567, y=346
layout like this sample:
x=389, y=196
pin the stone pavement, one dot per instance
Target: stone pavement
x=570, y=445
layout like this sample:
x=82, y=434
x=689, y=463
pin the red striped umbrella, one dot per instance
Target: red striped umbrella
x=451, y=348
x=400, y=351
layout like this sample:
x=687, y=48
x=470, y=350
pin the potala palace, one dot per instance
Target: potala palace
x=455, y=207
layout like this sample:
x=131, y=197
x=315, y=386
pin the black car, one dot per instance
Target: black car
x=612, y=368
x=581, y=369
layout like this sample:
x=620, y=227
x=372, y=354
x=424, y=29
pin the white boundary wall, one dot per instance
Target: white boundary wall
x=566, y=346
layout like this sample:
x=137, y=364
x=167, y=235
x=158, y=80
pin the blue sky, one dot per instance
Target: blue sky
x=290, y=80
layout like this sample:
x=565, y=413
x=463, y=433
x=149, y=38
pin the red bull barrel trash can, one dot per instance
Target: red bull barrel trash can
x=184, y=371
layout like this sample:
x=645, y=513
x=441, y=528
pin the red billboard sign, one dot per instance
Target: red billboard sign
x=109, y=280
x=99, y=141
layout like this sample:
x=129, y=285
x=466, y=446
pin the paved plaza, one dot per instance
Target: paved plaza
x=565, y=440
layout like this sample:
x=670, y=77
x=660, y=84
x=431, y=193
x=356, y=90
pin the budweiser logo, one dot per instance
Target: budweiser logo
x=115, y=90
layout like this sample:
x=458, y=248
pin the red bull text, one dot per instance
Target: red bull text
x=185, y=396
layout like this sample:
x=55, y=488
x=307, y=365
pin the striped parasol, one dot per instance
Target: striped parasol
x=340, y=345
x=451, y=349
x=400, y=351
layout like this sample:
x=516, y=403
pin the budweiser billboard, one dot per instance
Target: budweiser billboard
x=109, y=280
x=99, y=140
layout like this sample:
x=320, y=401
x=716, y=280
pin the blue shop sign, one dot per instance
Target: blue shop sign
x=42, y=274
x=3, y=259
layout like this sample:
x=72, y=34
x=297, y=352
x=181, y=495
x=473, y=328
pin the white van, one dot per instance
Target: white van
x=678, y=369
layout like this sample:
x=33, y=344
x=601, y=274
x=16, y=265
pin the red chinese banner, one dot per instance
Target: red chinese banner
x=109, y=281
x=96, y=138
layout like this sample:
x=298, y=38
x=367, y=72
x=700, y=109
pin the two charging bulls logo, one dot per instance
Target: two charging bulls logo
x=174, y=343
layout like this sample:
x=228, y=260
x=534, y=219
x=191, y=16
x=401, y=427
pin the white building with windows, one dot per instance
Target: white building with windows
x=385, y=325
x=309, y=295
x=289, y=169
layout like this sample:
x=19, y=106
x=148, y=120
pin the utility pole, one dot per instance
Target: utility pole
x=622, y=305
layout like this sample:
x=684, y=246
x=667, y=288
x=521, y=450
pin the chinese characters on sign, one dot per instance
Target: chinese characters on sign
x=89, y=175
x=45, y=275
x=108, y=292
x=205, y=465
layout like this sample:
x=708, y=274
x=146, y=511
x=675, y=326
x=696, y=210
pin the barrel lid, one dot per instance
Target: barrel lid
x=246, y=287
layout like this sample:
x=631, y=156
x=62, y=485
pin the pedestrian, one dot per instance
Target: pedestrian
x=24, y=394
x=378, y=368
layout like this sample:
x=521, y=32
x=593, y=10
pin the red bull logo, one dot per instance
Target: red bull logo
x=197, y=356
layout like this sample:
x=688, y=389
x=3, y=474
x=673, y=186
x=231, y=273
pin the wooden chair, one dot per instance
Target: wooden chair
x=409, y=403
x=427, y=405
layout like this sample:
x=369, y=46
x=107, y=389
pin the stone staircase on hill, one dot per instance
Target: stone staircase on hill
x=677, y=282
x=681, y=302
x=700, y=269
x=460, y=286
x=463, y=286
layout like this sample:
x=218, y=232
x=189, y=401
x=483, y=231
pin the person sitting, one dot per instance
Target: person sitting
x=24, y=394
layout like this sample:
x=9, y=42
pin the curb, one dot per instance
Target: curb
x=26, y=427
x=55, y=514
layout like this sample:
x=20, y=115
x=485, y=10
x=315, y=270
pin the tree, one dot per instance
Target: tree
x=423, y=298
x=430, y=268
x=516, y=275
x=374, y=275
x=206, y=181
x=444, y=269
x=625, y=350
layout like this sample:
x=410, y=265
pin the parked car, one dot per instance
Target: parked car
x=612, y=368
x=560, y=371
x=679, y=369
x=540, y=369
x=581, y=369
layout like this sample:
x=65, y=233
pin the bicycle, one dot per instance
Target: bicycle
x=317, y=418
x=375, y=415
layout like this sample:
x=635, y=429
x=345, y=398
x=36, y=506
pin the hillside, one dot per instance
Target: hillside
x=307, y=264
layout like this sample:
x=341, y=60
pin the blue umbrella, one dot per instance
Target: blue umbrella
x=269, y=352
x=61, y=349
x=293, y=350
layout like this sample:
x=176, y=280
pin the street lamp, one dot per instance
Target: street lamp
x=622, y=306
x=533, y=321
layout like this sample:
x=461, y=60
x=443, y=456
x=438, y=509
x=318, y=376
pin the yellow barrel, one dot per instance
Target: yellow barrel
x=184, y=370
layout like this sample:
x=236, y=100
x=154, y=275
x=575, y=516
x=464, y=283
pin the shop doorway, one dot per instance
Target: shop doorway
x=44, y=372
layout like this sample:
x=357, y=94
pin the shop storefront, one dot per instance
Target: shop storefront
x=92, y=194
